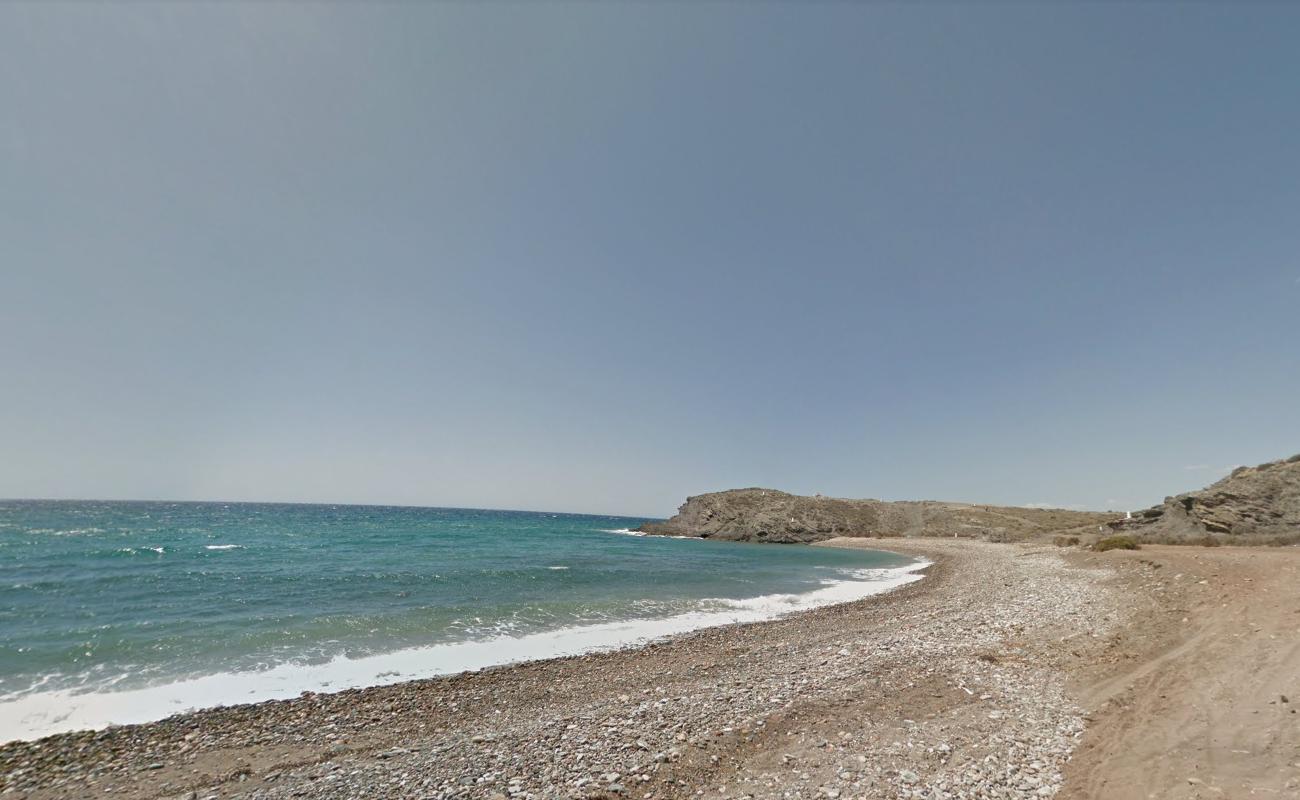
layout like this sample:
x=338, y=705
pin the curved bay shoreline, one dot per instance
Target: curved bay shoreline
x=983, y=680
x=39, y=715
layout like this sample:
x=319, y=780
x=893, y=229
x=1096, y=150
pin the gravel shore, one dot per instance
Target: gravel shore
x=950, y=687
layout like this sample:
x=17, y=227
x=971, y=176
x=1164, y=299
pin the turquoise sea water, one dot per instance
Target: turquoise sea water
x=113, y=596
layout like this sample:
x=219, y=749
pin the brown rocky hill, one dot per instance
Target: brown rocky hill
x=1253, y=505
x=768, y=515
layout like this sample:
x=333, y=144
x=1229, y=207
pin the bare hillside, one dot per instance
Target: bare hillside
x=768, y=515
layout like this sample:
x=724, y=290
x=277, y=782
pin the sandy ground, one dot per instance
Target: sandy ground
x=1203, y=702
x=1011, y=671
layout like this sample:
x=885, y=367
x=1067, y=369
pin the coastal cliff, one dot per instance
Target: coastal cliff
x=1257, y=505
x=768, y=515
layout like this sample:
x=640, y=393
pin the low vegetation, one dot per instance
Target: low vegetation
x=1117, y=543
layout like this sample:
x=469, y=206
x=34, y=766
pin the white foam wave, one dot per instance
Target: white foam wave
x=856, y=585
x=32, y=715
x=624, y=531
x=134, y=550
x=223, y=547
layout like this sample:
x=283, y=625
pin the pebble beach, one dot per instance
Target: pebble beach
x=950, y=687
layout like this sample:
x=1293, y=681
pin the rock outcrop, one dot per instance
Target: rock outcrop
x=768, y=515
x=1261, y=504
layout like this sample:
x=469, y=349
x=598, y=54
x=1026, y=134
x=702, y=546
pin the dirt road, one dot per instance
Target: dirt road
x=1204, y=703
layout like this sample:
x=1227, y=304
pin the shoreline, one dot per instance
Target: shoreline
x=1018, y=671
x=42, y=714
x=527, y=710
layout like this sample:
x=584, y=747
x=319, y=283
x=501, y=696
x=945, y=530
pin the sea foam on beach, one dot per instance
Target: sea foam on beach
x=242, y=603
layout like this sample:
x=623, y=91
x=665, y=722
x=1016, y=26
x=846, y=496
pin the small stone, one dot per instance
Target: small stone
x=908, y=776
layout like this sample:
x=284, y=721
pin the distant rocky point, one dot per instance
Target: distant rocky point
x=1255, y=505
x=768, y=515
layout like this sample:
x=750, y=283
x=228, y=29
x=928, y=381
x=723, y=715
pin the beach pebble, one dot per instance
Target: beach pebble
x=768, y=710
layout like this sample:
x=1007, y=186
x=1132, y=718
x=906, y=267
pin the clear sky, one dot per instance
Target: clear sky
x=599, y=257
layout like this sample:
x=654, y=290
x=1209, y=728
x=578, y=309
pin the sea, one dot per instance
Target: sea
x=124, y=612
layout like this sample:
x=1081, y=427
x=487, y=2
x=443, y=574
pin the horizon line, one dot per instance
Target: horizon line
x=316, y=503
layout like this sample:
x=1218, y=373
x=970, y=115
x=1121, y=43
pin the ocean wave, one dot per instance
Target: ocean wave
x=223, y=547
x=40, y=713
x=855, y=585
x=623, y=531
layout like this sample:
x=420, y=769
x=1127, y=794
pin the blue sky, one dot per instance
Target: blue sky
x=599, y=257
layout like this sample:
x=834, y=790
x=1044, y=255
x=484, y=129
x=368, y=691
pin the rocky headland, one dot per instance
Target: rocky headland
x=768, y=515
x=1253, y=505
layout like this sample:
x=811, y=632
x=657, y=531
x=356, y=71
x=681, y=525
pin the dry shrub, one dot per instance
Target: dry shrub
x=1117, y=543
